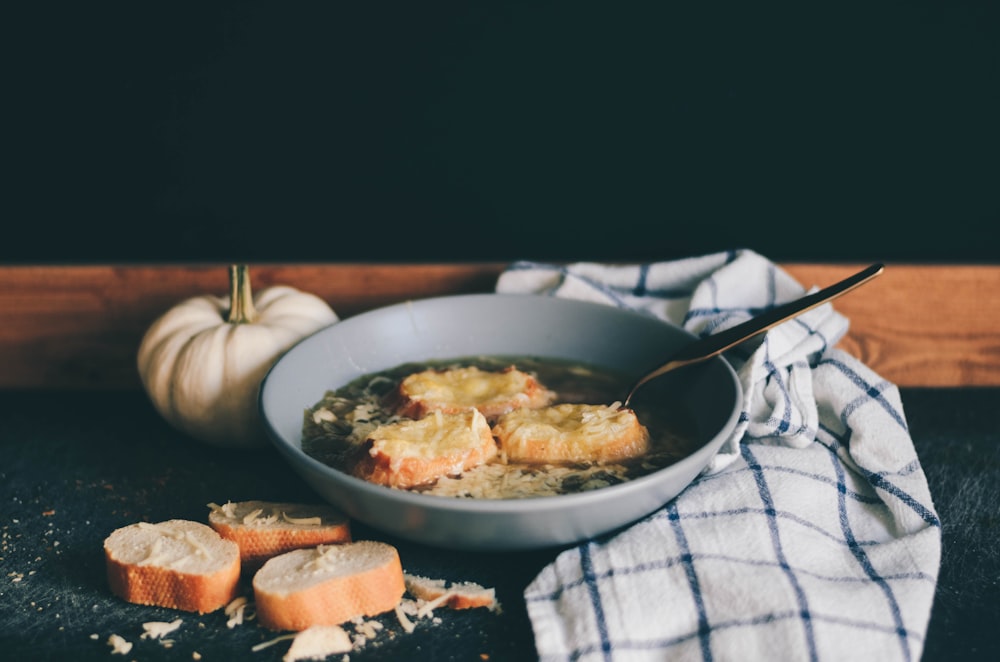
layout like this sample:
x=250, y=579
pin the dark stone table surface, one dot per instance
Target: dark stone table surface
x=75, y=466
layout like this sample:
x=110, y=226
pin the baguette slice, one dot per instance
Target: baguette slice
x=411, y=453
x=263, y=529
x=177, y=564
x=457, y=595
x=571, y=433
x=328, y=585
x=454, y=390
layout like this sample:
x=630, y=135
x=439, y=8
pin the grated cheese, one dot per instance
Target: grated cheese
x=271, y=642
x=324, y=414
x=304, y=521
x=317, y=642
x=369, y=629
x=314, y=643
x=584, y=462
x=434, y=436
x=251, y=516
x=407, y=625
x=428, y=607
x=467, y=387
x=157, y=629
x=228, y=509
x=119, y=646
x=237, y=611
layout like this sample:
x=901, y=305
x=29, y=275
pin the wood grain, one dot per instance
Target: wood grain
x=921, y=325
x=79, y=326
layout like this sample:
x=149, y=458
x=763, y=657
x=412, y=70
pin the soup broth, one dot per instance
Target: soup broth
x=335, y=428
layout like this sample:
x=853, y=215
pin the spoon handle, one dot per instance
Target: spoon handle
x=713, y=345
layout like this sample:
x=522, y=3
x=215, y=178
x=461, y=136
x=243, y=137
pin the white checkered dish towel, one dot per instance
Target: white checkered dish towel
x=812, y=536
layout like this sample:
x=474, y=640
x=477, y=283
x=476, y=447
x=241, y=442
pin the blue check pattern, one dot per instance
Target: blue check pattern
x=811, y=536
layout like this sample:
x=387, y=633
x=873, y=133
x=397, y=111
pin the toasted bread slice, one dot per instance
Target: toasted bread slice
x=177, y=564
x=263, y=529
x=456, y=595
x=456, y=389
x=328, y=585
x=416, y=452
x=571, y=433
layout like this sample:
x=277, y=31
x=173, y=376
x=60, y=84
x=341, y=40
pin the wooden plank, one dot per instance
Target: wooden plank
x=71, y=327
x=79, y=326
x=921, y=325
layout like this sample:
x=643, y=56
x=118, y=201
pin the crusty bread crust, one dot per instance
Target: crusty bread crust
x=135, y=575
x=416, y=452
x=328, y=585
x=263, y=529
x=456, y=389
x=571, y=433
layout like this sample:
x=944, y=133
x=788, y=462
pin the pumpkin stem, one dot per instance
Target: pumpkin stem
x=241, y=310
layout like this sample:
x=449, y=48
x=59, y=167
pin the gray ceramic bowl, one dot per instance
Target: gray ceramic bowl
x=498, y=324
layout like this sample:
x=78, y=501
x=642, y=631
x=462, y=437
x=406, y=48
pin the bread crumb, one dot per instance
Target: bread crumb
x=119, y=646
x=456, y=595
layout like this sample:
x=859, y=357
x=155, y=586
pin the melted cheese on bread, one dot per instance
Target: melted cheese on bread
x=414, y=452
x=571, y=433
x=452, y=390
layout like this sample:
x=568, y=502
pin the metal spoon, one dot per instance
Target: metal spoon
x=713, y=345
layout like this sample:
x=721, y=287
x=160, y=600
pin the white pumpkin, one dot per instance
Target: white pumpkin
x=203, y=361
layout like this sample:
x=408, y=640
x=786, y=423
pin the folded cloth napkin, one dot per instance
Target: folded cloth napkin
x=811, y=536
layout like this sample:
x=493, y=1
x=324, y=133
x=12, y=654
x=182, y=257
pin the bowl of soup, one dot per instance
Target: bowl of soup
x=330, y=390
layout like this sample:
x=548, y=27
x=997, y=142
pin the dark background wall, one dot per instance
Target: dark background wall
x=340, y=131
